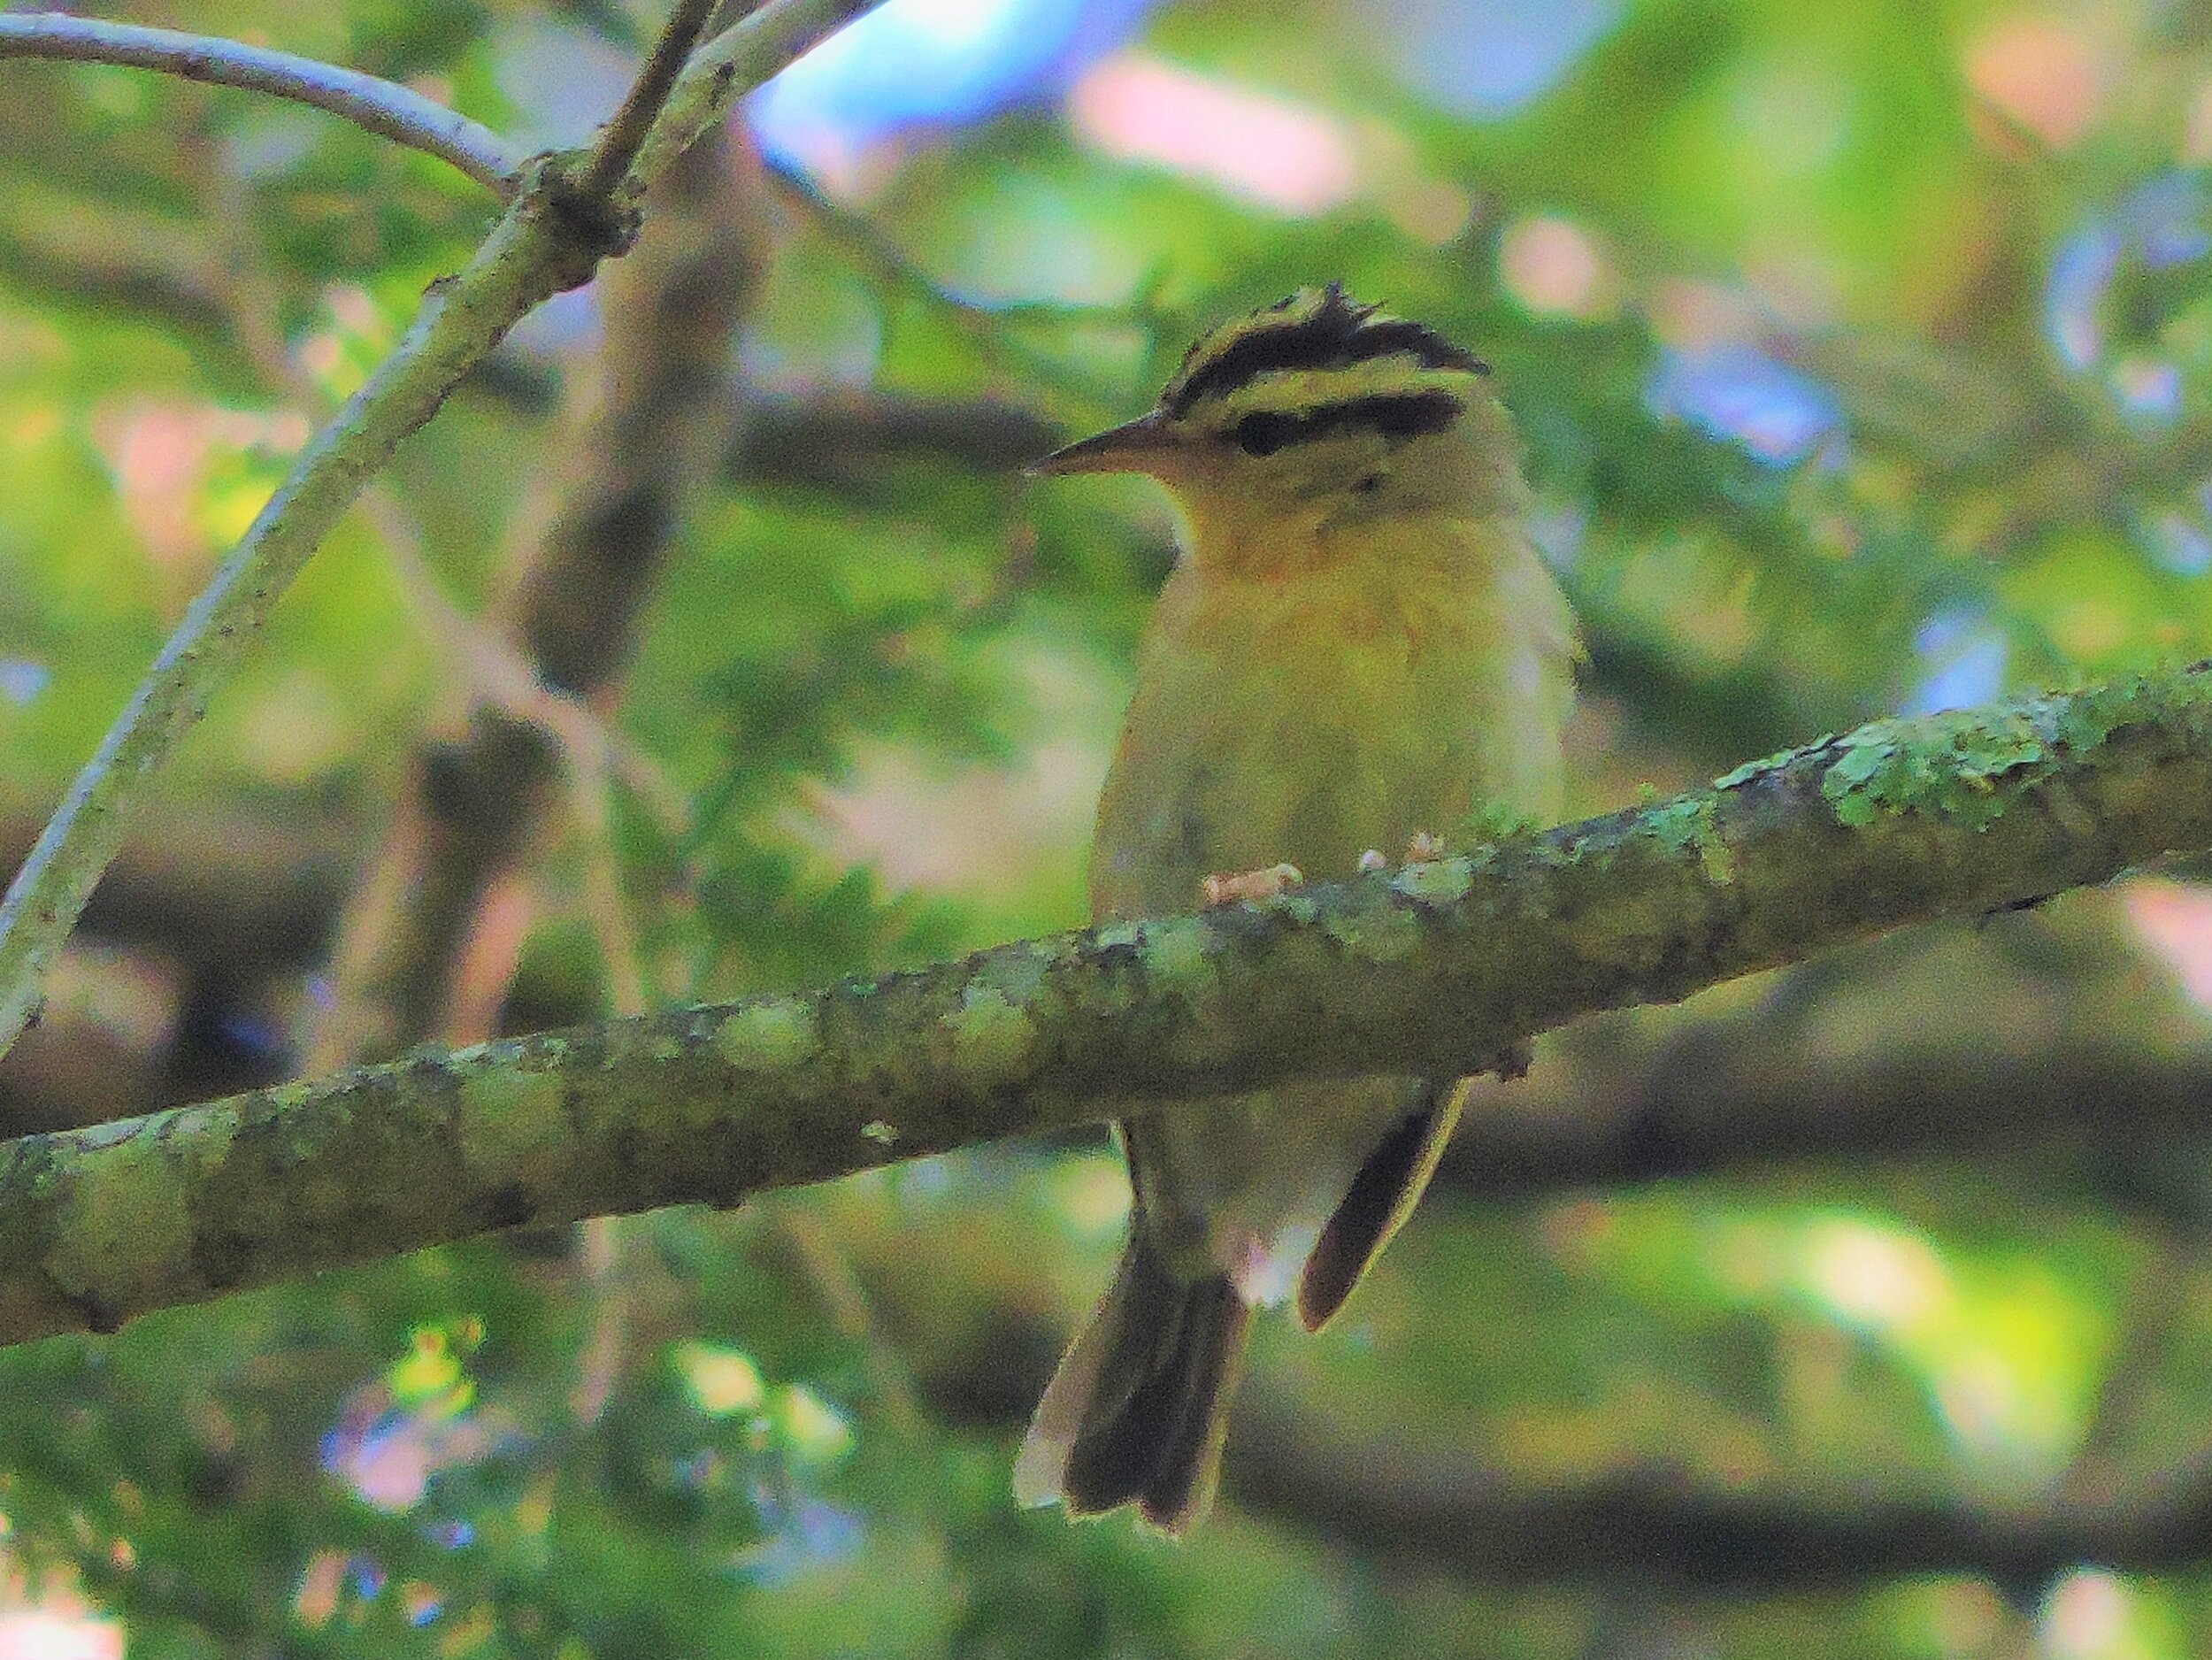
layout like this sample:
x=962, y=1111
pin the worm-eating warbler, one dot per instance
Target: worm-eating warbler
x=1359, y=644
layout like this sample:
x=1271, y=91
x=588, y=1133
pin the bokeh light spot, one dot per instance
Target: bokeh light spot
x=36, y=1634
x=23, y=680
x=1489, y=60
x=2174, y=921
x=720, y=1380
x=816, y=1432
x=1735, y=391
x=2044, y=75
x=1553, y=266
x=2092, y=1614
x=1260, y=148
x=1874, y=1277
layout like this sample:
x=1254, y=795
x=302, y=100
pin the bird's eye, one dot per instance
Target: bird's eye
x=1264, y=434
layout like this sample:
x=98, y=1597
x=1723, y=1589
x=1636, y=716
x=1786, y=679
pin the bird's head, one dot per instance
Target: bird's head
x=1316, y=412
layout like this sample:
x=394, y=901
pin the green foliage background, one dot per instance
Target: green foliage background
x=1799, y=1409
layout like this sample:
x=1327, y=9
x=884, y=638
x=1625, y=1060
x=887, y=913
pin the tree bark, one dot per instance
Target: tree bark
x=1437, y=969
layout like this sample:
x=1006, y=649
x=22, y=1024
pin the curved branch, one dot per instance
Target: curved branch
x=550, y=239
x=1437, y=969
x=381, y=107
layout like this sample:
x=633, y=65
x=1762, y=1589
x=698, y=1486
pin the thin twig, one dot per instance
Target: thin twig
x=625, y=135
x=591, y=814
x=2160, y=1295
x=531, y=254
x=744, y=55
x=603, y=1241
x=382, y=107
x=599, y=1264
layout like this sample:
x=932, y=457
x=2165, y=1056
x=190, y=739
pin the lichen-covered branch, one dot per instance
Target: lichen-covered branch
x=551, y=238
x=1436, y=968
x=381, y=107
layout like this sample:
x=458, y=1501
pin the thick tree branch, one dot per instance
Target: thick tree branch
x=1436, y=969
x=381, y=107
x=846, y=441
x=550, y=239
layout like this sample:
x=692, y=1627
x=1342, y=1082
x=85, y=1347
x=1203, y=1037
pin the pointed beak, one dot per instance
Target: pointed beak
x=1139, y=446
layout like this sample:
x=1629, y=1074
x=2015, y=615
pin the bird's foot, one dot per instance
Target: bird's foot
x=1425, y=848
x=1229, y=887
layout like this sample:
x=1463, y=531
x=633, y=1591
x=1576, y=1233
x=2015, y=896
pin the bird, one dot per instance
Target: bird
x=1359, y=647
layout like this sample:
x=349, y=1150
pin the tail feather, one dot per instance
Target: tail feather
x=1190, y=1466
x=1381, y=1197
x=1137, y=1410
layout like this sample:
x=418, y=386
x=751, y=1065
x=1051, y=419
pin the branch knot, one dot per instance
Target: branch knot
x=592, y=224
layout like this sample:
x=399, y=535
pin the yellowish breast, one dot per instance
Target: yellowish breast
x=1309, y=714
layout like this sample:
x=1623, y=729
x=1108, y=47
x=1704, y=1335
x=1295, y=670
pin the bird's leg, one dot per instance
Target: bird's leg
x=1229, y=886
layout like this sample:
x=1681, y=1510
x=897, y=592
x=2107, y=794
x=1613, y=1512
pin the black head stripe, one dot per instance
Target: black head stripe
x=1320, y=342
x=1341, y=332
x=1379, y=339
x=1410, y=415
x=1402, y=416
